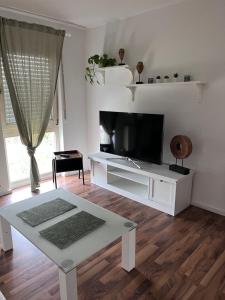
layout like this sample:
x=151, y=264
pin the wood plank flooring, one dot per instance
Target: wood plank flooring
x=179, y=257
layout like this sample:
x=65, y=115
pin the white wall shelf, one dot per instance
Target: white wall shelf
x=104, y=70
x=133, y=87
x=113, y=68
x=198, y=84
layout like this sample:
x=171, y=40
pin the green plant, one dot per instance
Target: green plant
x=97, y=61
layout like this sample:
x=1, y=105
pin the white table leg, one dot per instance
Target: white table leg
x=128, y=250
x=5, y=235
x=68, y=285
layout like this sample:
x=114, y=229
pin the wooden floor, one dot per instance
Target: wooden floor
x=179, y=257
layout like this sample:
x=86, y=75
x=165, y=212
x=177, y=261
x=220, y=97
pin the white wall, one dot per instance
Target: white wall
x=186, y=38
x=74, y=127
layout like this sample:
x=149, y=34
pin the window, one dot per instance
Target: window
x=21, y=67
x=8, y=111
x=18, y=159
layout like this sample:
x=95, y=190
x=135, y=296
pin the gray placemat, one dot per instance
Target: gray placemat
x=44, y=212
x=68, y=231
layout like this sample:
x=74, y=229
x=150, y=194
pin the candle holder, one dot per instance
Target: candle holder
x=187, y=78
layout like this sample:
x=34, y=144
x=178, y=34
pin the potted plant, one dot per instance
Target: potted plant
x=158, y=79
x=166, y=78
x=175, y=76
x=94, y=62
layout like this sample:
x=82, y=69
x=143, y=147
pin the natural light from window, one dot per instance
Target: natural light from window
x=18, y=159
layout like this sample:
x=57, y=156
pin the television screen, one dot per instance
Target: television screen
x=133, y=135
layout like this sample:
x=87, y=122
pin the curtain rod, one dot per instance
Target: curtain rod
x=41, y=17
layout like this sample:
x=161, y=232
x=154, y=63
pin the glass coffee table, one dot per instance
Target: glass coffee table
x=69, y=258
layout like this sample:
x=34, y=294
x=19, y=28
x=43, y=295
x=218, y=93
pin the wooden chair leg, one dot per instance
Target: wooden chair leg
x=55, y=178
x=53, y=171
x=79, y=174
x=55, y=181
x=83, y=175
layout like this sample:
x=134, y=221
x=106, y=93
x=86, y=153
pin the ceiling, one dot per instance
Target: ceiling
x=87, y=13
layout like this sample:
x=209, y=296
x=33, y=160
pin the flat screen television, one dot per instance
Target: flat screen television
x=133, y=135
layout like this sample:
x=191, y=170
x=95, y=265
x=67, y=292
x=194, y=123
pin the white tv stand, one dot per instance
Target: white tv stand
x=152, y=185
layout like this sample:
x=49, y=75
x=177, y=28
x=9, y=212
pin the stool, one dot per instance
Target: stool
x=66, y=161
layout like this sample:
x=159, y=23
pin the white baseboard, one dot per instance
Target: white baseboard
x=72, y=173
x=1, y=296
x=3, y=193
x=211, y=208
x=69, y=173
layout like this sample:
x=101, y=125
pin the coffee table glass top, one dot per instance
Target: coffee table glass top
x=67, y=259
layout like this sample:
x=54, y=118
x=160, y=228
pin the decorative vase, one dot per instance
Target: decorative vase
x=140, y=68
x=121, y=55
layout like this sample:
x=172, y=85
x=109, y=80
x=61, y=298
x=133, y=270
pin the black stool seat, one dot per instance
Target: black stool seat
x=65, y=161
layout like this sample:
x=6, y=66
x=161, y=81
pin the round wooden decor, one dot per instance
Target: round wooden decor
x=181, y=146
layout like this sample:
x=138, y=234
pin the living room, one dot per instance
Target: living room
x=170, y=58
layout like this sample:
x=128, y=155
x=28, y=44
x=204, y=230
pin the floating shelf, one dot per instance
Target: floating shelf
x=113, y=68
x=133, y=87
x=105, y=69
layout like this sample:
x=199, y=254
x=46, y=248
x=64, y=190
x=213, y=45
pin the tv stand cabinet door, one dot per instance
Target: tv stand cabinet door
x=163, y=192
x=183, y=194
x=98, y=173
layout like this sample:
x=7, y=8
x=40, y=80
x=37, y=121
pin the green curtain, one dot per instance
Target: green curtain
x=31, y=56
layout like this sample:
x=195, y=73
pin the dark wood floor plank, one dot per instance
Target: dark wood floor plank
x=218, y=264
x=179, y=257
